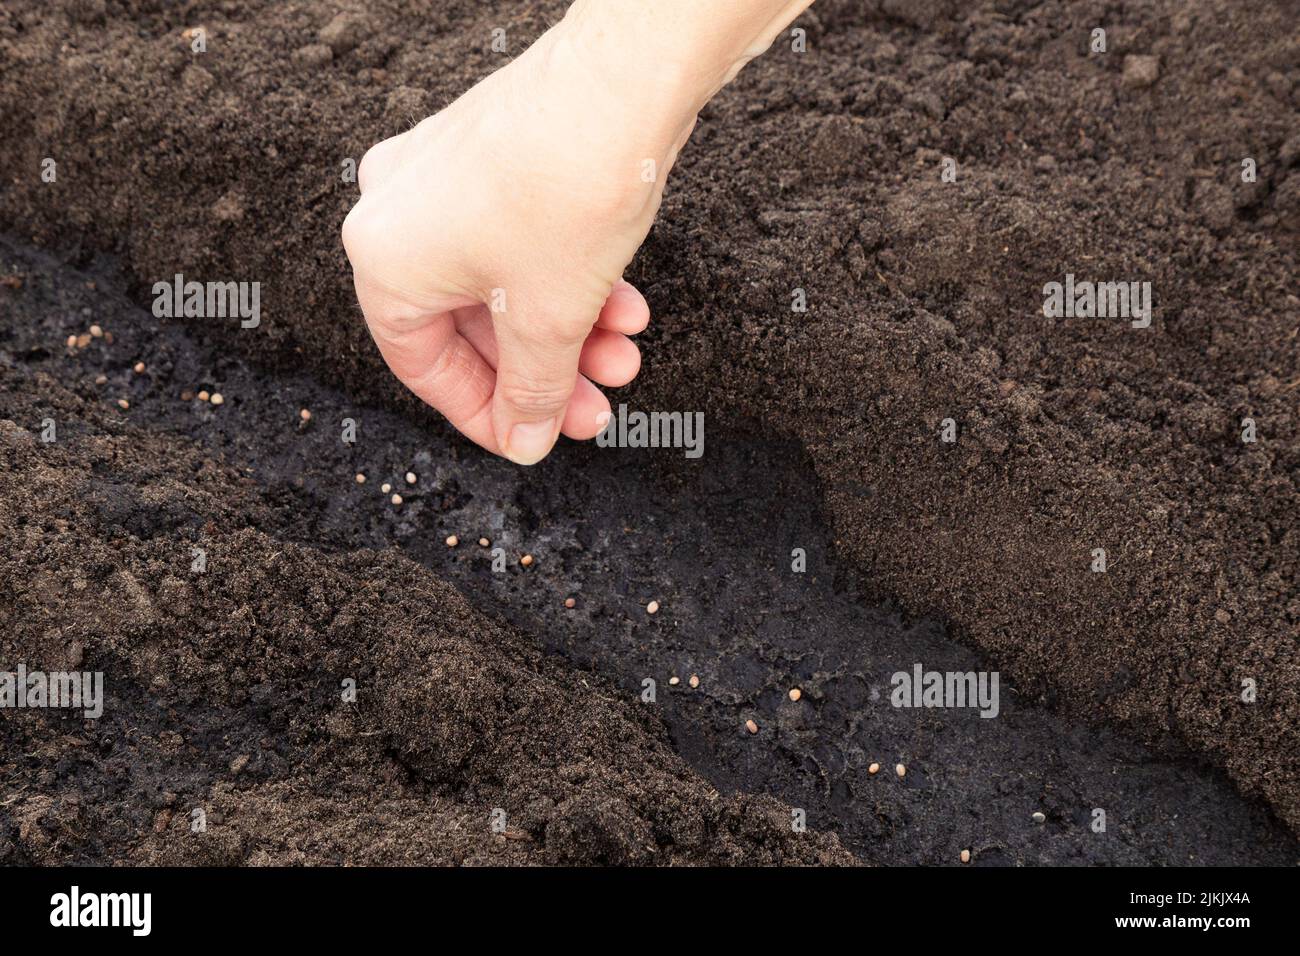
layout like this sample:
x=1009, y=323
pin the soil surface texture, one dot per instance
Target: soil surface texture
x=478, y=689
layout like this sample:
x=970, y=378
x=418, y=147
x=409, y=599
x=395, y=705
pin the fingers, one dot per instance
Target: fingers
x=537, y=368
x=431, y=358
x=626, y=310
x=583, y=420
x=609, y=358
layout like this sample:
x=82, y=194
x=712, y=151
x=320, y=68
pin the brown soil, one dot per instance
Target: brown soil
x=821, y=171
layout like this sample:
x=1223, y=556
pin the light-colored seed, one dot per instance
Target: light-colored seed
x=674, y=681
x=900, y=770
x=452, y=541
x=795, y=693
x=965, y=856
x=101, y=379
x=483, y=542
x=694, y=681
x=217, y=398
x=751, y=726
x=361, y=479
x=385, y=487
x=1039, y=817
x=203, y=396
x=570, y=603
x=123, y=403
x=410, y=477
x=72, y=341
x=305, y=415
x=96, y=332
x=526, y=560
x=138, y=368
x=396, y=499
x=874, y=768
x=652, y=607
x=83, y=340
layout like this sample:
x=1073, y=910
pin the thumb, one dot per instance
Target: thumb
x=537, y=368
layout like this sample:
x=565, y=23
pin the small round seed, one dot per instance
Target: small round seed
x=570, y=603
x=138, y=368
x=900, y=770
x=72, y=341
x=652, y=607
x=483, y=542
x=217, y=398
x=101, y=379
x=361, y=479
x=385, y=487
x=674, y=681
x=694, y=681
x=123, y=403
x=874, y=768
x=96, y=332
x=526, y=560
x=1038, y=817
x=965, y=856
x=83, y=340
x=410, y=477
x=795, y=693
x=751, y=726
x=452, y=541
x=396, y=499
x=305, y=415
x=203, y=396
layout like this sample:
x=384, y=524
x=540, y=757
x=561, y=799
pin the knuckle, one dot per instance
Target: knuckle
x=533, y=396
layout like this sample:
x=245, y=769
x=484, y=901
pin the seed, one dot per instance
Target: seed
x=123, y=403
x=694, y=681
x=570, y=603
x=795, y=693
x=652, y=607
x=751, y=726
x=203, y=396
x=874, y=768
x=1038, y=817
x=138, y=368
x=361, y=479
x=900, y=770
x=305, y=415
x=410, y=477
x=217, y=399
x=674, y=681
x=965, y=856
x=483, y=542
x=396, y=499
x=101, y=379
x=385, y=487
x=83, y=340
x=72, y=341
x=452, y=541
x=526, y=560
x=96, y=332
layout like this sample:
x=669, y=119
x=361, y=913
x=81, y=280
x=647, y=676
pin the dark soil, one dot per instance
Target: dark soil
x=457, y=714
x=817, y=171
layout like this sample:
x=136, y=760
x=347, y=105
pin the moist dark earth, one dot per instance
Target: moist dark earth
x=480, y=690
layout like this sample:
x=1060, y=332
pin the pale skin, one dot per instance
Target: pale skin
x=490, y=240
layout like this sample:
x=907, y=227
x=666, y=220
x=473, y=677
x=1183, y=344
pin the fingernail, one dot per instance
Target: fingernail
x=530, y=442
